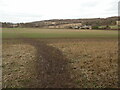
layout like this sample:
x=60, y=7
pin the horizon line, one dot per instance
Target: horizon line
x=58, y=19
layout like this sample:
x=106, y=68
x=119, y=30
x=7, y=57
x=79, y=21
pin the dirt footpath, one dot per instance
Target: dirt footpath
x=48, y=69
x=53, y=70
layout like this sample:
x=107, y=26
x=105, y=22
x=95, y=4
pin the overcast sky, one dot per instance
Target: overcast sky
x=36, y=10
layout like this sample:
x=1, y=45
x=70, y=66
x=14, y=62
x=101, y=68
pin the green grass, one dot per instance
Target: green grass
x=112, y=27
x=55, y=33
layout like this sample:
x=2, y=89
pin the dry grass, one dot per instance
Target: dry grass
x=18, y=65
x=93, y=62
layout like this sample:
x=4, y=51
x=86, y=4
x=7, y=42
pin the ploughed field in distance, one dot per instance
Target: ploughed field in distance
x=59, y=58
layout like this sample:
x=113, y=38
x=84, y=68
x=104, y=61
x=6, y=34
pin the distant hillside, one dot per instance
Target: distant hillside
x=66, y=23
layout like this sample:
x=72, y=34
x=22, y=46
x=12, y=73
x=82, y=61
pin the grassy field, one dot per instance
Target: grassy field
x=56, y=33
x=54, y=58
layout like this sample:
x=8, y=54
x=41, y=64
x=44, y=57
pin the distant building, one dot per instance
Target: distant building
x=36, y=25
x=82, y=27
x=86, y=27
x=14, y=25
x=117, y=22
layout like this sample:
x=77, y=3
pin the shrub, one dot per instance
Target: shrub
x=95, y=27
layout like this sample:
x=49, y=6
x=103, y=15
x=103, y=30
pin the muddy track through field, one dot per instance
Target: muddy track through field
x=53, y=70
